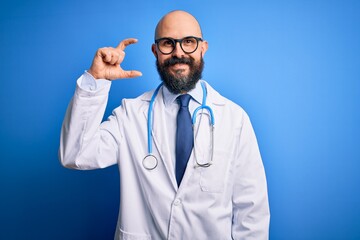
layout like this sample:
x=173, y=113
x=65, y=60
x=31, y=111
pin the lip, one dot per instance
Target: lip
x=180, y=66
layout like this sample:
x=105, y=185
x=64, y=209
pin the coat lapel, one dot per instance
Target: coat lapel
x=160, y=139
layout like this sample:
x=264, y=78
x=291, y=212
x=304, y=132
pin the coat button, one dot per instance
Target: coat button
x=177, y=202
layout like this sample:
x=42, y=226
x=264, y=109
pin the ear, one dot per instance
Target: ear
x=204, y=47
x=153, y=49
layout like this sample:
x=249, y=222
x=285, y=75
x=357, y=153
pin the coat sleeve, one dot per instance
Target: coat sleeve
x=85, y=142
x=251, y=213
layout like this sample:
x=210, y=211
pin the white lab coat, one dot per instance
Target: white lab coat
x=227, y=200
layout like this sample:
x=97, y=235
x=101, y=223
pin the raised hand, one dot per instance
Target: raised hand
x=106, y=63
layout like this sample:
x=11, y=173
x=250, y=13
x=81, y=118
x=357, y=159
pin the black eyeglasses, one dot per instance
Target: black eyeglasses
x=188, y=44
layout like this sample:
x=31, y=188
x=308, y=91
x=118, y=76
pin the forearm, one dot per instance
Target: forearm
x=82, y=136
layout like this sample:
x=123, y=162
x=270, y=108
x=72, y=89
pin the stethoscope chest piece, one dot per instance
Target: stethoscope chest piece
x=150, y=162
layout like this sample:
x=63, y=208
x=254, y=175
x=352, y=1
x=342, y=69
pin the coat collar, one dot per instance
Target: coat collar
x=213, y=96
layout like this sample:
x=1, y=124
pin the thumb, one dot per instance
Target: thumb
x=120, y=74
x=132, y=74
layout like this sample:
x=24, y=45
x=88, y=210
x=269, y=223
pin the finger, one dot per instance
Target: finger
x=114, y=58
x=105, y=54
x=124, y=43
x=120, y=57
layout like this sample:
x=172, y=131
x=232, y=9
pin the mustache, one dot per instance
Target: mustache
x=175, y=60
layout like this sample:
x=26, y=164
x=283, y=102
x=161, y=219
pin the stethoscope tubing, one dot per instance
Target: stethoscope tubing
x=150, y=118
x=150, y=124
x=203, y=106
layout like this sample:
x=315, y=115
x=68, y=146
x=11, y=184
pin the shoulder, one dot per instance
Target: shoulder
x=136, y=104
x=215, y=98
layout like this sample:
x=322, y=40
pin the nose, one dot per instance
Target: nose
x=178, y=52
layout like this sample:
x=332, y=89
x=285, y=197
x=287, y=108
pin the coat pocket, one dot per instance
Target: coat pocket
x=133, y=236
x=212, y=178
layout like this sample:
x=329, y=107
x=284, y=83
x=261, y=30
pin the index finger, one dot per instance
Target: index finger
x=124, y=43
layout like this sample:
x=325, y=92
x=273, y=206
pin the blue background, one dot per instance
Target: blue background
x=294, y=66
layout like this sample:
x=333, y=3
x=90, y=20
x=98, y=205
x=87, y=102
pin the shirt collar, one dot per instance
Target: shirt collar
x=195, y=93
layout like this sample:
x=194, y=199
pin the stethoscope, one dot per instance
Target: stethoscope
x=150, y=162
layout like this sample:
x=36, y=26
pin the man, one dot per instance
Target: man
x=193, y=186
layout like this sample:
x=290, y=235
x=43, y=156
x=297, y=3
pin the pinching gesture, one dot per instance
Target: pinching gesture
x=106, y=63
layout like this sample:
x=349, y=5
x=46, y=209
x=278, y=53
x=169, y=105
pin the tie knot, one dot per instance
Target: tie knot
x=184, y=100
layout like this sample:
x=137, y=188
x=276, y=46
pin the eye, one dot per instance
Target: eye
x=189, y=41
x=167, y=43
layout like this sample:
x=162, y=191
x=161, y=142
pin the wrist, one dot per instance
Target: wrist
x=92, y=74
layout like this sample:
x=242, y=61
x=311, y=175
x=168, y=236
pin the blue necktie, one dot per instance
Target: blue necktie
x=184, y=137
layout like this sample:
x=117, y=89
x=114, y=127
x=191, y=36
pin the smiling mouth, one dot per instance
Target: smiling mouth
x=179, y=69
x=179, y=66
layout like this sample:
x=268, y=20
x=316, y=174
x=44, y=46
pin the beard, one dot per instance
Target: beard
x=178, y=82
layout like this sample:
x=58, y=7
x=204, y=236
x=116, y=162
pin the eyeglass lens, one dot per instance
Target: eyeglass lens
x=187, y=44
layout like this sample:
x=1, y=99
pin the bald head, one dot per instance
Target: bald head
x=178, y=24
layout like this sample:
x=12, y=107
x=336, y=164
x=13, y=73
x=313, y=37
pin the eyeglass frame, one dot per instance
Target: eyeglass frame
x=174, y=40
